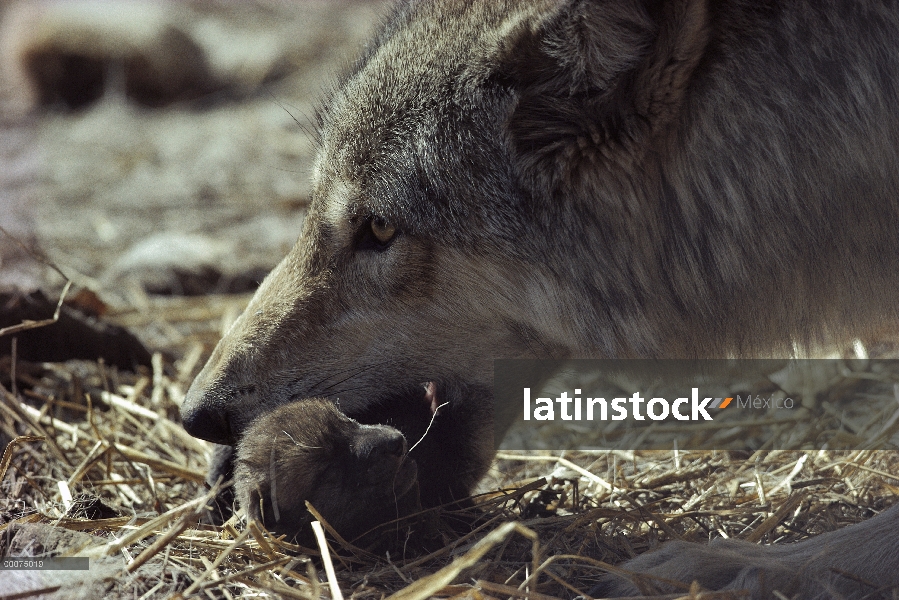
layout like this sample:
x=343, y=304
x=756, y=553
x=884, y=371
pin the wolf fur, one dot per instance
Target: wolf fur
x=567, y=178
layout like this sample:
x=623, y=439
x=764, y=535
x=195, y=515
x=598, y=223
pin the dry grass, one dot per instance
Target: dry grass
x=101, y=452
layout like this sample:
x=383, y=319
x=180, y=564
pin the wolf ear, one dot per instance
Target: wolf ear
x=596, y=80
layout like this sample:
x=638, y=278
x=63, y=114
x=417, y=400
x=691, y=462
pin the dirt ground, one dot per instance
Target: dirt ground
x=200, y=192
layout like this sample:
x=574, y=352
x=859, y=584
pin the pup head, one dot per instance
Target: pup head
x=356, y=476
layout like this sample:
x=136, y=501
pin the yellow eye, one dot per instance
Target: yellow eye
x=382, y=230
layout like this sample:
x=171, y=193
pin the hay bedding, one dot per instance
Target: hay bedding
x=99, y=466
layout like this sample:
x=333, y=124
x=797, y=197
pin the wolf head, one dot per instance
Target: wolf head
x=544, y=179
x=459, y=166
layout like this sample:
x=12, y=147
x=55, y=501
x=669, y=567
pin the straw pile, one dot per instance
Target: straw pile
x=99, y=466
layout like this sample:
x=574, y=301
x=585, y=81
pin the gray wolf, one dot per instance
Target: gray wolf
x=564, y=178
x=355, y=476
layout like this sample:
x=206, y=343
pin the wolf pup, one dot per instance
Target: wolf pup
x=571, y=178
x=356, y=476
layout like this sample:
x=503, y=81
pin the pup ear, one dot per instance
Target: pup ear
x=596, y=81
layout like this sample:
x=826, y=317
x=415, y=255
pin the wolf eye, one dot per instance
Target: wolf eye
x=382, y=230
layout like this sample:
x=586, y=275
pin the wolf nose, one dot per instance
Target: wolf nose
x=206, y=422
